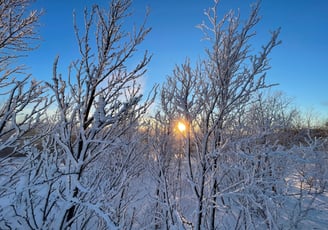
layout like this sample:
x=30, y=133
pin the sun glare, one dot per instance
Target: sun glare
x=181, y=126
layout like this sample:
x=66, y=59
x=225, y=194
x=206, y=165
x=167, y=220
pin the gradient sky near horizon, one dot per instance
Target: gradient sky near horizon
x=299, y=64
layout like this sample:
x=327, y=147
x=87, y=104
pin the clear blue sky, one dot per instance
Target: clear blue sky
x=299, y=64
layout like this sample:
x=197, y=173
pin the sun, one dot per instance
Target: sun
x=181, y=126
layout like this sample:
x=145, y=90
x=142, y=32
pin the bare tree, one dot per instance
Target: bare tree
x=22, y=98
x=271, y=112
x=22, y=110
x=163, y=149
x=210, y=96
x=99, y=106
x=82, y=173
